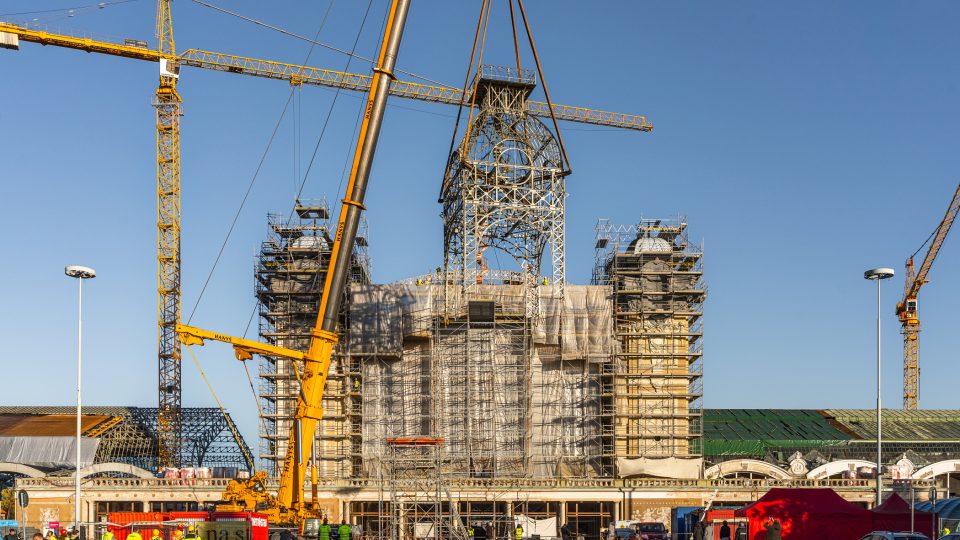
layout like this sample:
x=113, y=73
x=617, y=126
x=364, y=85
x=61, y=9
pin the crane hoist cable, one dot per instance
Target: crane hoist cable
x=256, y=173
x=236, y=435
x=98, y=5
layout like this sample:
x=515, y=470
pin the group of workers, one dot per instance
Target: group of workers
x=342, y=532
x=156, y=534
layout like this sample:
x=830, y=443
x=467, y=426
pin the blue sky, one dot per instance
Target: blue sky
x=805, y=142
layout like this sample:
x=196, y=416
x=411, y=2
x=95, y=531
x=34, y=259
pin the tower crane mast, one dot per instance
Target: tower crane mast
x=169, y=107
x=907, y=307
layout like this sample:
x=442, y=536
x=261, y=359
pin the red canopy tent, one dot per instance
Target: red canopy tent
x=808, y=514
x=894, y=515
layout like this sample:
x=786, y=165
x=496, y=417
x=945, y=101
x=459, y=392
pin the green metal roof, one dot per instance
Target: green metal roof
x=753, y=431
x=898, y=425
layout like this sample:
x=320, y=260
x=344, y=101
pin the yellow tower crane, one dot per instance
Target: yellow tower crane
x=907, y=307
x=169, y=107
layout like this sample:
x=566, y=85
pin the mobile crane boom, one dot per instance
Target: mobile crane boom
x=907, y=307
x=289, y=506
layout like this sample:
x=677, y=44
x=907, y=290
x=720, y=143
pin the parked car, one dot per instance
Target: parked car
x=888, y=535
x=650, y=530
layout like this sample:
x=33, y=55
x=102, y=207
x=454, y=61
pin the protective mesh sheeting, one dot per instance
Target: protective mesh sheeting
x=49, y=452
x=509, y=397
x=385, y=315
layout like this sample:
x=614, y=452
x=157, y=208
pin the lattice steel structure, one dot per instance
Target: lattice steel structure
x=504, y=187
x=290, y=273
x=656, y=277
x=169, y=110
x=129, y=435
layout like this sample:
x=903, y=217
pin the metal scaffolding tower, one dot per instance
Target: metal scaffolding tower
x=656, y=387
x=290, y=272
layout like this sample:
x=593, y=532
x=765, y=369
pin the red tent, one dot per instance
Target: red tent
x=808, y=514
x=894, y=515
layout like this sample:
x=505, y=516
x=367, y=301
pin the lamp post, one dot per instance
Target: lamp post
x=80, y=273
x=877, y=274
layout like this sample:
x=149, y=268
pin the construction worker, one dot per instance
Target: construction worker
x=324, y=533
x=134, y=536
x=518, y=533
x=470, y=531
x=106, y=536
x=343, y=531
x=156, y=535
x=191, y=533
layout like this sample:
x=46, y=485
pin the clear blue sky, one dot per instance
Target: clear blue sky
x=805, y=142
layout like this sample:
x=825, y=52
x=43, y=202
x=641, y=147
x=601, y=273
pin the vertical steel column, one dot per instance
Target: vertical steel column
x=169, y=110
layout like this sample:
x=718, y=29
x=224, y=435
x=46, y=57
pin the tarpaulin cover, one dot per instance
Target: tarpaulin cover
x=808, y=514
x=50, y=452
x=670, y=467
x=546, y=528
x=894, y=515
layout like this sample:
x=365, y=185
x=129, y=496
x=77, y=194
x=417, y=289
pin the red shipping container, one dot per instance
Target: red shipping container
x=123, y=523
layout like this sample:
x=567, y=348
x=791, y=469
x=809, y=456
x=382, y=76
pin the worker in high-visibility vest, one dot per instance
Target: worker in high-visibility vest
x=324, y=533
x=518, y=534
x=156, y=535
x=470, y=532
x=134, y=536
x=343, y=531
x=191, y=533
x=106, y=536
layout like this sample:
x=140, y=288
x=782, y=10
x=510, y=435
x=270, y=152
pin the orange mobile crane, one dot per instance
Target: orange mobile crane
x=907, y=307
x=169, y=105
x=289, y=506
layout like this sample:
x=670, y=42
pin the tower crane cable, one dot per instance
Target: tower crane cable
x=925, y=242
x=98, y=5
x=308, y=40
x=256, y=174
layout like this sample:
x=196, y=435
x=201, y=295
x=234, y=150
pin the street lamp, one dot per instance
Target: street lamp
x=80, y=273
x=876, y=274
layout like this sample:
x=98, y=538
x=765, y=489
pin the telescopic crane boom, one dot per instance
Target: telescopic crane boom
x=289, y=506
x=907, y=307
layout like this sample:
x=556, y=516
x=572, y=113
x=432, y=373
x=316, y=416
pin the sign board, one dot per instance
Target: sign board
x=53, y=525
x=8, y=523
x=224, y=530
x=22, y=498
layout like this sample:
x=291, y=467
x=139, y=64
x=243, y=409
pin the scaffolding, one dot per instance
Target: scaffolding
x=509, y=396
x=419, y=503
x=655, y=383
x=290, y=273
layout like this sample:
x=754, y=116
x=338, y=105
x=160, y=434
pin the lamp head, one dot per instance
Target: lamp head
x=878, y=273
x=80, y=272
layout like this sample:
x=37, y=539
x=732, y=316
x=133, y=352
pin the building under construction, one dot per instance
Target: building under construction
x=494, y=375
